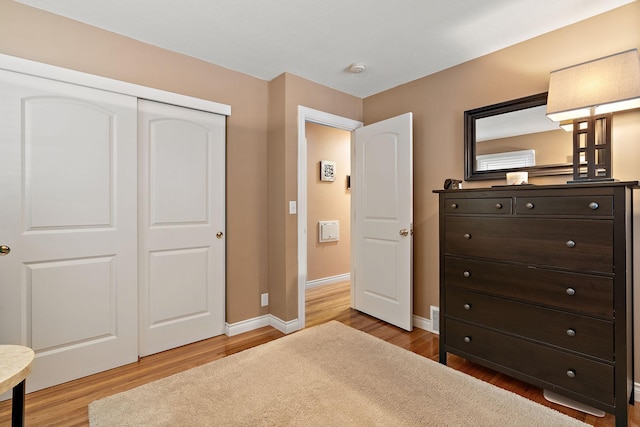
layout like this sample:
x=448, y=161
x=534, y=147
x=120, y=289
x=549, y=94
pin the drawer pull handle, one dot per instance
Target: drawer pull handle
x=571, y=244
x=467, y=236
x=571, y=373
x=467, y=339
x=571, y=332
x=594, y=205
x=498, y=206
x=529, y=205
x=454, y=206
x=467, y=274
x=467, y=306
x=571, y=291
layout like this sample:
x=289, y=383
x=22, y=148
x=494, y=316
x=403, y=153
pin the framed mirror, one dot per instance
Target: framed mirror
x=515, y=136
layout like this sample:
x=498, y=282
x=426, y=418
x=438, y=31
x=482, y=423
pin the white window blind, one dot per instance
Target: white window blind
x=508, y=160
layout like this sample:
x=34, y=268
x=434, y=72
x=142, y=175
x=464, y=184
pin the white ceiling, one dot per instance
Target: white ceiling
x=399, y=40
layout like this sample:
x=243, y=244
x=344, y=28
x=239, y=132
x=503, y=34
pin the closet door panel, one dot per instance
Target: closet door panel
x=180, y=166
x=182, y=219
x=55, y=196
x=68, y=287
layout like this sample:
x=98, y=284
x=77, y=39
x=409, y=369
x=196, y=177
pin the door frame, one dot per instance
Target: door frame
x=306, y=114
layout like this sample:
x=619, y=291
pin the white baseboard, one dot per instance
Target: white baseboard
x=329, y=280
x=285, y=327
x=282, y=326
x=422, y=323
x=636, y=392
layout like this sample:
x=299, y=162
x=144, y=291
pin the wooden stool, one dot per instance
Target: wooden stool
x=15, y=365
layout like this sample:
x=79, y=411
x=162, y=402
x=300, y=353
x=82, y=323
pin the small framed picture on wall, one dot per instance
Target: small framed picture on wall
x=327, y=170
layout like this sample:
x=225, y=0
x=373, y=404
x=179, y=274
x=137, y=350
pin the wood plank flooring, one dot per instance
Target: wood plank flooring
x=67, y=404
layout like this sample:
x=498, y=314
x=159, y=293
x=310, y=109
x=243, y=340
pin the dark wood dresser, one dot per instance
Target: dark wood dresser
x=536, y=282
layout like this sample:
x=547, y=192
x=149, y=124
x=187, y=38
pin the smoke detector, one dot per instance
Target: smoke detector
x=356, y=68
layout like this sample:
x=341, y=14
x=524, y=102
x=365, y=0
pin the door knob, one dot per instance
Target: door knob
x=4, y=250
x=219, y=234
x=404, y=232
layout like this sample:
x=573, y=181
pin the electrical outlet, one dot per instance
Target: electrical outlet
x=264, y=300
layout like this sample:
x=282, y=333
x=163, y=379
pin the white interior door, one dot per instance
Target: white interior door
x=182, y=225
x=68, y=286
x=382, y=220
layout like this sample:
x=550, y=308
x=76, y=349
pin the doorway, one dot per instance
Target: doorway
x=328, y=204
x=308, y=115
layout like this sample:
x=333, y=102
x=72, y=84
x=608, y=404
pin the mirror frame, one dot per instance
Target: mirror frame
x=470, y=117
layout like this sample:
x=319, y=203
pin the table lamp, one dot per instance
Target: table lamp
x=586, y=95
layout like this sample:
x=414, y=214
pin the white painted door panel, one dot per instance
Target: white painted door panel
x=383, y=219
x=182, y=209
x=68, y=288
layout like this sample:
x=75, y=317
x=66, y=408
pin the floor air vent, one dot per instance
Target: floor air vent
x=435, y=319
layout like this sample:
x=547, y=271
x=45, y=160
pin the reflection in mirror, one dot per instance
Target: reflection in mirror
x=515, y=136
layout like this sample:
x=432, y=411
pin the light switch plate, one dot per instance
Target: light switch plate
x=293, y=208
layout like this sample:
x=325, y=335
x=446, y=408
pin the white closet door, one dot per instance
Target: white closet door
x=68, y=286
x=182, y=225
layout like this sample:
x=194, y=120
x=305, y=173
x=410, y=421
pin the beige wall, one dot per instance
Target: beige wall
x=33, y=34
x=328, y=200
x=439, y=101
x=262, y=131
x=286, y=93
x=261, y=139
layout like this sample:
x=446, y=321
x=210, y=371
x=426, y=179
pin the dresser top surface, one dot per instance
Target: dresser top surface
x=532, y=187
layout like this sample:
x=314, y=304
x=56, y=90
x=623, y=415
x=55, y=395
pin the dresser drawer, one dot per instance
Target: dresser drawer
x=496, y=206
x=570, y=331
x=587, y=377
x=580, y=244
x=582, y=293
x=599, y=205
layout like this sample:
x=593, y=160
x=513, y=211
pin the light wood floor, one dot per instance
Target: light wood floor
x=66, y=404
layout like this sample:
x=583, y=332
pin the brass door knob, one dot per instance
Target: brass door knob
x=404, y=232
x=219, y=234
x=4, y=250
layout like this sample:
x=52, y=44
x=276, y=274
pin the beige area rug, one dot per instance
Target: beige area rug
x=328, y=375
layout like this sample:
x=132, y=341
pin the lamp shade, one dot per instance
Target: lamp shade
x=599, y=86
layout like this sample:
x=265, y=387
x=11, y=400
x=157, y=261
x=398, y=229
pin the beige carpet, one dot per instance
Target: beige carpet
x=328, y=375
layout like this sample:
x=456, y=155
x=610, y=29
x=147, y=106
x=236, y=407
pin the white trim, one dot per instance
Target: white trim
x=422, y=323
x=286, y=327
x=260, y=322
x=636, y=392
x=246, y=325
x=52, y=72
x=306, y=114
x=329, y=280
